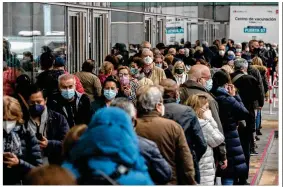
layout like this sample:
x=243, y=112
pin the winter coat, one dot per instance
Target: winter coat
x=256, y=74
x=232, y=110
x=158, y=168
x=249, y=92
x=9, y=80
x=28, y=153
x=157, y=75
x=171, y=141
x=56, y=129
x=81, y=114
x=213, y=138
x=263, y=70
x=217, y=61
x=190, y=88
x=186, y=117
x=91, y=84
x=109, y=142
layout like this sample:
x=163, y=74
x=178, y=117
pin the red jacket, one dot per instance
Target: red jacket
x=9, y=79
x=79, y=86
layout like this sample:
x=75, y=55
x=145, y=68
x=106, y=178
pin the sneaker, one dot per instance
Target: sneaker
x=253, y=152
x=257, y=138
x=258, y=132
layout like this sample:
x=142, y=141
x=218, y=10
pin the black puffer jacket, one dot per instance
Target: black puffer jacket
x=28, y=153
x=158, y=168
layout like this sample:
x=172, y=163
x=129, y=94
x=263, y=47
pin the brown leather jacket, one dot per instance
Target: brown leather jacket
x=171, y=141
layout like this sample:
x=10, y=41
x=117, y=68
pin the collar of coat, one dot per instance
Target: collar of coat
x=150, y=114
x=190, y=84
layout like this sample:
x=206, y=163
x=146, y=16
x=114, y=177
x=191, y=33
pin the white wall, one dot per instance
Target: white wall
x=265, y=17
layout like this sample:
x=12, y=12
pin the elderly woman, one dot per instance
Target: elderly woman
x=167, y=134
x=112, y=150
x=179, y=72
x=128, y=83
x=21, y=151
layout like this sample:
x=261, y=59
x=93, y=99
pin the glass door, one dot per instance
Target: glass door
x=77, y=39
x=161, y=28
x=99, y=37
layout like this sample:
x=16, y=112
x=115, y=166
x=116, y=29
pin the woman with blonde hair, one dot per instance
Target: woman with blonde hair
x=106, y=70
x=211, y=134
x=21, y=151
x=179, y=72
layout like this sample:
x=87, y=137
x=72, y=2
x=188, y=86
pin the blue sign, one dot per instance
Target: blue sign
x=174, y=30
x=254, y=29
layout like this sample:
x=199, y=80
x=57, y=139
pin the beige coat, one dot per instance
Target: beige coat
x=157, y=75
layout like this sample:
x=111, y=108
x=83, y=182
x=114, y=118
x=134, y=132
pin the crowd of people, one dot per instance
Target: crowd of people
x=177, y=115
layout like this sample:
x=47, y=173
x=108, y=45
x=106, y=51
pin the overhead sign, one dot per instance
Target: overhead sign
x=174, y=30
x=254, y=22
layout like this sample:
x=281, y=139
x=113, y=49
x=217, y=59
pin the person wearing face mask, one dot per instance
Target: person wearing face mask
x=179, y=72
x=249, y=91
x=158, y=168
x=257, y=51
x=212, y=135
x=48, y=126
x=21, y=151
x=159, y=62
x=70, y=103
x=128, y=84
x=110, y=90
x=186, y=117
x=167, y=134
x=27, y=61
x=246, y=51
x=218, y=60
x=231, y=111
x=152, y=72
x=200, y=82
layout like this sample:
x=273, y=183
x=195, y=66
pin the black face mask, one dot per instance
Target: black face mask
x=36, y=110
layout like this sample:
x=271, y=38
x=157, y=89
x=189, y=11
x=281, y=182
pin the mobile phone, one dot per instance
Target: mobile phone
x=39, y=136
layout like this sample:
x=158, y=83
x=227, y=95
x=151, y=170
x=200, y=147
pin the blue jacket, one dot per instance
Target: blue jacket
x=232, y=110
x=109, y=141
x=29, y=154
x=158, y=168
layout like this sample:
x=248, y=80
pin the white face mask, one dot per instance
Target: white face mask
x=163, y=110
x=148, y=60
x=221, y=53
x=268, y=48
x=8, y=126
x=238, y=50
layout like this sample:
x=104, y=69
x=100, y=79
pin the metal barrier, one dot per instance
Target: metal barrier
x=273, y=91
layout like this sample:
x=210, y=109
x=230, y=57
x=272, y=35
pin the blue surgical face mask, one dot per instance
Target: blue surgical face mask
x=134, y=71
x=178, y=100
x=68, y=93
x=158, y=65
x=110, y=94
x=208, y=85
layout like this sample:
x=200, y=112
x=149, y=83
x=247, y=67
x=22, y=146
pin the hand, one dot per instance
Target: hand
x=10, y=159
x=231, y=90
x=127, y=91
x=259, y=108
x=207, y=114
x=224, y=166
x=43, y=144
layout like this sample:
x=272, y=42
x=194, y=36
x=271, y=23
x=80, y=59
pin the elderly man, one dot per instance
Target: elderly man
x=186, y=117
x=70, y=103
x=199, y=83
x=217, y=60
x=257, y=51
x=158, y=168
x=249, y=92
x=152, y=72
x=167, y=134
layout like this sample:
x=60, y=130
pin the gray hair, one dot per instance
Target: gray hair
x=240, y=64
x=66, y=77
x=205, y=43
x=145, y=50
x=125, y=105
x=148, y=98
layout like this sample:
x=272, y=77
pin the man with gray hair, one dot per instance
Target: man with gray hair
x=249, y=92
x=158, y=168
x=151, y=71
x=167, y=134
x=70, y=103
